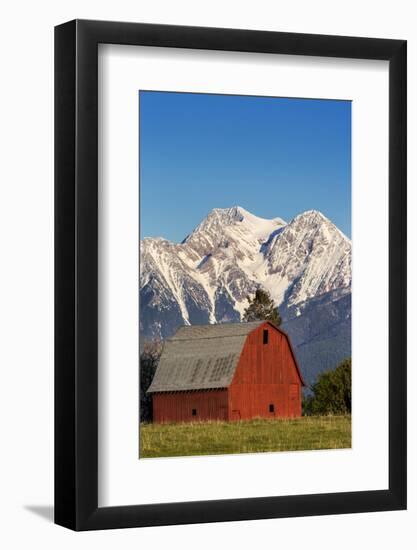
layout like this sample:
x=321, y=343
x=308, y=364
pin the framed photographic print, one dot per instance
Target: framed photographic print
x=230, y=275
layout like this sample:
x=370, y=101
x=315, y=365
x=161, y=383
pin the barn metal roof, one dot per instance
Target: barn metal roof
x=201, y=357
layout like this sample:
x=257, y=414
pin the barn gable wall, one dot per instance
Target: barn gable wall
x=266, y=376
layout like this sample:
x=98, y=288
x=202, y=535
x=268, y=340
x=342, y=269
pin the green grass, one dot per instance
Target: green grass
x=252, y=436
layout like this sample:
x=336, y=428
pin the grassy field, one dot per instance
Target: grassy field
x=212, y=438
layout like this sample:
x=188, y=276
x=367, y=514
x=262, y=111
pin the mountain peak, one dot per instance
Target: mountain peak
x=238, y=214
x=236, y=223
x=311, y=215
x=232, y=214
x=315, y=218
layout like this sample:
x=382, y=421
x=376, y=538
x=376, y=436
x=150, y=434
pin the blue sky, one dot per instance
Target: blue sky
x=272, y=156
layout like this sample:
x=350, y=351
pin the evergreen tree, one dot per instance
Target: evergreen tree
x=262, y=308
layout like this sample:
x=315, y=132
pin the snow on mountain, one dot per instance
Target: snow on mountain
x=230, y=254
x=308, y=258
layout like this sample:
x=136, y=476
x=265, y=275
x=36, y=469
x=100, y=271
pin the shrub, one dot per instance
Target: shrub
x=149, y=359
x=332, y=393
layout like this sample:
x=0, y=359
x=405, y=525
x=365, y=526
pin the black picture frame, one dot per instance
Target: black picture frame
x=76, y=272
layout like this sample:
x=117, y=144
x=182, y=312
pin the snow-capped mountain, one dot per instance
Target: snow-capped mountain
x=208, y=277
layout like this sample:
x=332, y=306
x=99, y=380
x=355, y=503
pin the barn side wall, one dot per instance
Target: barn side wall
x=178, y=406
x=266, y=382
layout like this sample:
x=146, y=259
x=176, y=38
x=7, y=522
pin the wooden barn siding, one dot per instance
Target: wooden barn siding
x=266, y=374
x=178, y=406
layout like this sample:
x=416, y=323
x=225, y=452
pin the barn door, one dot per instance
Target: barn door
x=235, y=414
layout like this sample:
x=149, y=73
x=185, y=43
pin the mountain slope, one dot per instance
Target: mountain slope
x=231, y=253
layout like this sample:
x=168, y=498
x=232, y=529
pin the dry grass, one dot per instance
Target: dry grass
x=253, y=436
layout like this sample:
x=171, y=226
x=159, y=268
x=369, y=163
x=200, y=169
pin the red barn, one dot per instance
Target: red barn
x=230, y=371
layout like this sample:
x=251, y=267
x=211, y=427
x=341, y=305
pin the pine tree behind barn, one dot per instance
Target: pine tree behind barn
x=232, y=371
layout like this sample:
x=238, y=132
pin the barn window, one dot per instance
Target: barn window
x=194, y=412
x=265, y=336
x=271, y=408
